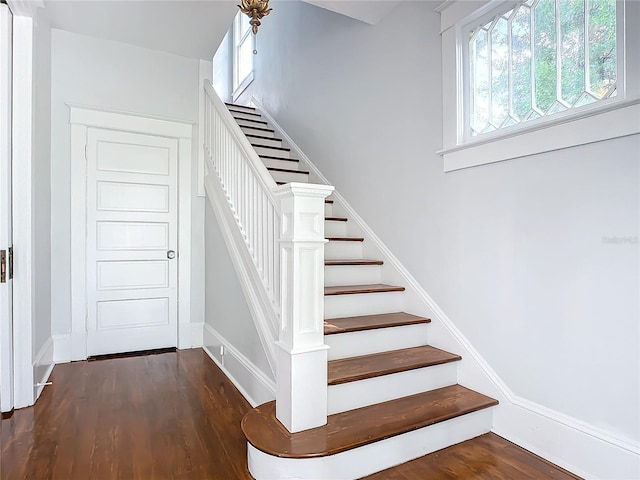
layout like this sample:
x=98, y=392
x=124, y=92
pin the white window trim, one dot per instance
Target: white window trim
x=602, y=121
x=240, y=85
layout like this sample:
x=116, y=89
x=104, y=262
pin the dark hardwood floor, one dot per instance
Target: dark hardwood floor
x=176, y=416
x=154, y=417
x=488, y=457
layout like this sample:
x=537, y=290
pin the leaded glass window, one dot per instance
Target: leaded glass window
x=540, y=58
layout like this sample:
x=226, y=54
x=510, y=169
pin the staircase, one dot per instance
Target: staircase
x=391, y=396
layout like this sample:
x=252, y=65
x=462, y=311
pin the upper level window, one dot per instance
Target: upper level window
x=243, y=45
x=536, y=59
x=524, y=77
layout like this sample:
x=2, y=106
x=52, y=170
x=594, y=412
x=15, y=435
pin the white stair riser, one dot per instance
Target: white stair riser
x=362, y=304
x=275, y=142
x=249, y=123
x=242, y=108
x=351, y=274
x=287, y=177
x=362, y=393
x=366, y=342
x=377, y=456
x=328, y=210
x=246, y=116
x=333, y=228
x=255, y=131
x=271, y=152
x=288, y=164
x=336, y=250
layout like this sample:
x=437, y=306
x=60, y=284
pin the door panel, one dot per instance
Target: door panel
x=6, y=293
x=131, y=225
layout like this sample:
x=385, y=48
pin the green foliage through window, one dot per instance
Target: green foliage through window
x=539, y=58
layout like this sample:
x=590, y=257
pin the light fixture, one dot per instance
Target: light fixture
x=255, y=10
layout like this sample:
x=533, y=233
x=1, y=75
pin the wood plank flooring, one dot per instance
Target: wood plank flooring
x=176, y=416
x=488, y=457
x=155, y=417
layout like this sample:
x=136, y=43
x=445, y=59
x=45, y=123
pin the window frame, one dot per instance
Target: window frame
x=605, y=119
x=239, y=38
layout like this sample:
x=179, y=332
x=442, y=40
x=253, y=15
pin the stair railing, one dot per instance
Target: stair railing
x=277, y=243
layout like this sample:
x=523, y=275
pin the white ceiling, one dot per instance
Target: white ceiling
x=367, y=11
x=184, y=27
x=191, y=28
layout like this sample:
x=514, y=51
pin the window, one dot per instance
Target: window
x=540, y=58
x=523, y=77
x=243, y=46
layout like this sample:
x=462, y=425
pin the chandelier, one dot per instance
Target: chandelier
x=255, y=10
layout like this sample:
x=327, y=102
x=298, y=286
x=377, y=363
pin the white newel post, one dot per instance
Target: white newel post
x=301, y=394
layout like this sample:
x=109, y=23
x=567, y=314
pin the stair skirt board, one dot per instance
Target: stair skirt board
x=352, y=275
x=366, y=342
x=374, y=457
x=362, y=393
x=362, y=304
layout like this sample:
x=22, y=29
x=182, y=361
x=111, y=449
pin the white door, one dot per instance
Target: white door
x=6, y=294
x=132, y=207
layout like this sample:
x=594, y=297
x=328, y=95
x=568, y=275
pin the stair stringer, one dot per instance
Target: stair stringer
x=517, y=419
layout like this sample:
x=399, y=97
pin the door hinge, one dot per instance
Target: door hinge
x=3, y=266
x=86, y=156
x=10, y=262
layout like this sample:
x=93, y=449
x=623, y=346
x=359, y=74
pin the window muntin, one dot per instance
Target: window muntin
x=243, y=43
x=539, y=58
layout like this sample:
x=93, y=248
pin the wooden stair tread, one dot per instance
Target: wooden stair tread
x=353, y=369
x=345, y=239
x=355, y=289
x=284, y=149
x=278, y=158
x=237, y=105
x=356, y=262
x=371, y=322
x=336, y=219
x=287, y=170
x=356, y=428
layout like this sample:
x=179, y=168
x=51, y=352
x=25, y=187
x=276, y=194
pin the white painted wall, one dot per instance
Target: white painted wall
x=222, y=73
x=513, y=252
x=113, y=75
x=41, y=185
x=226, y=309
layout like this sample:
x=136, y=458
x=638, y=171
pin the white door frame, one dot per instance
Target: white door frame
x=22, y=138
x=6, y=327
x=81, y=118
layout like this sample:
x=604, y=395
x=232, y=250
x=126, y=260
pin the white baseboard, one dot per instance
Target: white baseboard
x=571, y=443
x=197, y=335
x=253, y=384
x=42, y=367
x=62, y=348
